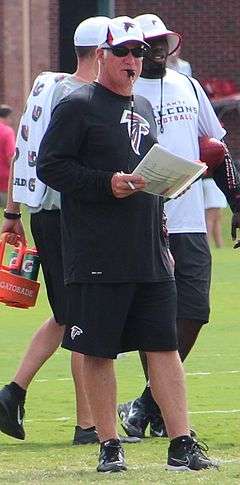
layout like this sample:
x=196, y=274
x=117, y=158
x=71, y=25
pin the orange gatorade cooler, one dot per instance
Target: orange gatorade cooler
x=16, y=289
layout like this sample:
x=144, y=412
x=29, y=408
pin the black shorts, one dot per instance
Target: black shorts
x=192, y=274
x=46, y=231
x=107, y=319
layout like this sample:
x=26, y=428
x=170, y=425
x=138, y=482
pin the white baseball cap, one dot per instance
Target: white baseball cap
x=152, y=26
x=91, y=32
x=124, y=29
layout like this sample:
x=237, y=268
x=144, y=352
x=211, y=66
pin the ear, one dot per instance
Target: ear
x=99, y=54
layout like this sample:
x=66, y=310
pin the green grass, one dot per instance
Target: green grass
x=47, y=455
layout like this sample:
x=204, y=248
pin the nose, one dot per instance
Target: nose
x=130, y=56
x=131, y=59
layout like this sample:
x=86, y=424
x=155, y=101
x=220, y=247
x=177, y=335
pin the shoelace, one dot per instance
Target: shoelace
x=113, y=452
x=199, y=446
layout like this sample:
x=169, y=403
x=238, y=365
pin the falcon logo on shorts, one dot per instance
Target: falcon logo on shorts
x=136, y=128
x=75, y=331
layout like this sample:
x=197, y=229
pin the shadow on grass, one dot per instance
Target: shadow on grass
x=58, y=476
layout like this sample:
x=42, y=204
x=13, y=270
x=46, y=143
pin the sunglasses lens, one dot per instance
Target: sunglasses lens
x=120, y=51
x=137, y=52
x=124, y=51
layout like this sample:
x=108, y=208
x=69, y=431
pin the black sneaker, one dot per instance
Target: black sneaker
x=89, y=436
x=111, y=458
x=158, y=428
x=85, y=436
x=11, y=414
x=134, y=418
x=188, y=456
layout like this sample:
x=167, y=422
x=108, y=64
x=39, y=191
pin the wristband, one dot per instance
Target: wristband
x=12, y=215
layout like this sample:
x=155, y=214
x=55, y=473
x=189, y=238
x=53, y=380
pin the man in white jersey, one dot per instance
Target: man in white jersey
x=183, y=114
x=45, y=226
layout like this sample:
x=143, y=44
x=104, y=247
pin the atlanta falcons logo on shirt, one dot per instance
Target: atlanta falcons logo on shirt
x=137, y=126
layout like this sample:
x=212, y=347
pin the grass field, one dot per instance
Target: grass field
x=213, y=377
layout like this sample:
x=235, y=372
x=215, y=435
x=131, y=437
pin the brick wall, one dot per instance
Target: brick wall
x=16, y=75
x=210, y=31
x=54, y=34
x=41, y=35
x=11, y=54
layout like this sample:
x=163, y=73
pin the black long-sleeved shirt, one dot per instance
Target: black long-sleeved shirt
x=105, y=239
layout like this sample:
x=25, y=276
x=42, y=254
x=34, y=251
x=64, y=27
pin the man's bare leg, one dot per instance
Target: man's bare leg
x=100, y=383
x=43, y=344
x=167, y=383
x=84, y=416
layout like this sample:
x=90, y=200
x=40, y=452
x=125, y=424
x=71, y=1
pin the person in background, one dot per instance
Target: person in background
x=214, y=202
x=7, y=150
x=214, y=199
x=180, y=65
x=48, y=90
x=183, y=114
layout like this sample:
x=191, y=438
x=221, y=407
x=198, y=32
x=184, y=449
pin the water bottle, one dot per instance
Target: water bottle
x=13, y=258
x=30, y=264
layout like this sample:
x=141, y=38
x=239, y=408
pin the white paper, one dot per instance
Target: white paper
x=166, y=174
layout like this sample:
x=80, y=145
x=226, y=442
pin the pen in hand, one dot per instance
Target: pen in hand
x=130, y=184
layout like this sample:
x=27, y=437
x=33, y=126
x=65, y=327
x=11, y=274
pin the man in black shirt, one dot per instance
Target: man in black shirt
x=122, y=293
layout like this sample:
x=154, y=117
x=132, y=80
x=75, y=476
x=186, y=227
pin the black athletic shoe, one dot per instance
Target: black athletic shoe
x=89, y=436
x=111, y=458
x=133, y=417
x=158, y=428
x=85, y=436
x=11, y=414
x=188, y=456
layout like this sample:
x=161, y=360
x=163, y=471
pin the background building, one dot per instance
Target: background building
x=37, y=35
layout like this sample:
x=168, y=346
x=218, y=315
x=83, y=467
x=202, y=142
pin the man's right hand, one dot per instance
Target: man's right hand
x=16, y=230
x=125, y=184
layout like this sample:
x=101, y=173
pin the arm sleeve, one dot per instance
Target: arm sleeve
x=59, y=163
x=227, y=178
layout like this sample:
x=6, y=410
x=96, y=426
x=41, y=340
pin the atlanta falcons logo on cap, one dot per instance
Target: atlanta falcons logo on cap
x=128, y=25
x=140, y=127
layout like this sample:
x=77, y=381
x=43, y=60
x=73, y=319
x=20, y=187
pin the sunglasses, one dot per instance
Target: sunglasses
x=124, y=51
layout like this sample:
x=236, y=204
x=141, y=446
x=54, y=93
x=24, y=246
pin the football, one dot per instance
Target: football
x=212, y=152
